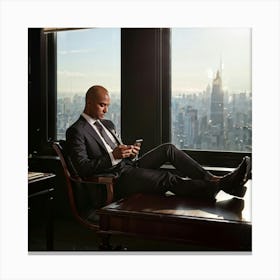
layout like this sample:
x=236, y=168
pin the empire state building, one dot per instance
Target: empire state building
x=217, y=103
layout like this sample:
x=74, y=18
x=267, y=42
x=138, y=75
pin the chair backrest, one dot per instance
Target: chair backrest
x=72, y=178
x=60, y=148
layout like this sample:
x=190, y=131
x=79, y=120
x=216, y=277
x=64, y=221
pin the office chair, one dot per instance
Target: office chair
x=85, y=196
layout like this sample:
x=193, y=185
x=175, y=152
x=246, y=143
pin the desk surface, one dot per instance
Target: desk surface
x=225, y=208
x=39, y=181
x=224, y=223
x=38, y=176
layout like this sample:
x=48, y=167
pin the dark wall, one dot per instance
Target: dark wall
x=36, y=85
x=38, y=121
x=143, y=90
x=41, y=91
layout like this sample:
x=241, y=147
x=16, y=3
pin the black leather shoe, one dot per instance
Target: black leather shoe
x=233, y=183
x=248, y=170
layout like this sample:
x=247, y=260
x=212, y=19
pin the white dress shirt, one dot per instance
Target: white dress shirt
x=91, y=121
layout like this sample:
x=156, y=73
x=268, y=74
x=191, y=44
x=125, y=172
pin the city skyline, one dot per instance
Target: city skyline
x=192, y=127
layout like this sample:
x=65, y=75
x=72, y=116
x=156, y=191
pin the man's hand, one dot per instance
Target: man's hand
x=135, y=150
x=125, y=151
x=122, y=151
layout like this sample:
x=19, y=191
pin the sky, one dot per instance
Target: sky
x=197, y=54
x=88, y=57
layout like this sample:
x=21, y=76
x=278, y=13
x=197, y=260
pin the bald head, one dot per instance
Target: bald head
x=94, y=92
x=97, y=102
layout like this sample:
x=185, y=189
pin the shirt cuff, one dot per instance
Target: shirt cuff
x=113, y=160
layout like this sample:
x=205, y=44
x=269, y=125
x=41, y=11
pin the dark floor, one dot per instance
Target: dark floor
x=71, y=236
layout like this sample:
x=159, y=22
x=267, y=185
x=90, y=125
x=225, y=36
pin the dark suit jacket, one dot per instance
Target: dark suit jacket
x=87, y=151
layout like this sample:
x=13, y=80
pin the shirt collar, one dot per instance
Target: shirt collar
x=88, y=118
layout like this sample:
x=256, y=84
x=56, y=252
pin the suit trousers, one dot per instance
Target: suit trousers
x=145, y=175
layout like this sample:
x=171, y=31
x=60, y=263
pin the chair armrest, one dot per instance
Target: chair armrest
x=106, y=180
x=101, y=179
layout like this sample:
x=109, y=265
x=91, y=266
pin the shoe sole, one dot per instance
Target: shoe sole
x=248, y=170
x=239, y=192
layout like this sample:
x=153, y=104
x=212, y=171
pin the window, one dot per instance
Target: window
x=86, y=57
x=211, y=89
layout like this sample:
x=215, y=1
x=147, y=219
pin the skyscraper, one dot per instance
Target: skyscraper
x=217, y=111
x=217, y=102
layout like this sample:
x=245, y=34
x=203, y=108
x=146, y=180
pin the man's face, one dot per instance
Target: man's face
x=98, y=105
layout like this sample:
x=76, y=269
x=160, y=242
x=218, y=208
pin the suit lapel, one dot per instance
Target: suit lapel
x=93, y=133
x=112, y=131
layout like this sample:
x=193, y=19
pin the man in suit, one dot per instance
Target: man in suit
x=95, y=148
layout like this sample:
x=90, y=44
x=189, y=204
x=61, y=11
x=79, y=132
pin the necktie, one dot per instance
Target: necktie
x=105, y=135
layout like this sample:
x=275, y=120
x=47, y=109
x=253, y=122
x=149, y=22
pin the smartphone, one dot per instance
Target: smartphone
x=138, y=142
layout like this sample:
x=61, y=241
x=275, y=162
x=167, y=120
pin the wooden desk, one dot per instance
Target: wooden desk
x=40, y=189
x=224, y=224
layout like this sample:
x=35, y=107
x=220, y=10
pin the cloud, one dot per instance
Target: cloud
x=69, y=74
x=75, y=51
